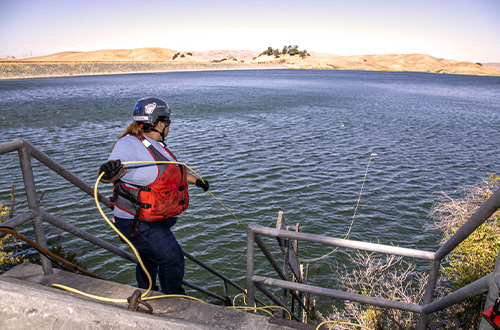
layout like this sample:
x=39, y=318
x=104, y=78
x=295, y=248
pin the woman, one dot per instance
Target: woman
x=148, y=197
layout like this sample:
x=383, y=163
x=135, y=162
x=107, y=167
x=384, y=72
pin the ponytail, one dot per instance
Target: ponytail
x=134, y=128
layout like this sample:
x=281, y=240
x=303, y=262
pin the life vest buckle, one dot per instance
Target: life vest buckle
x=144, y=205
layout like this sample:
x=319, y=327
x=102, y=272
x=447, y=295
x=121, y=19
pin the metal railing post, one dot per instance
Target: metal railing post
x=286, y=247
x=29, y=184
x=430, y=288
x=250, y=267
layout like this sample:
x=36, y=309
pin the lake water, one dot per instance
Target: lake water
x=266, y=140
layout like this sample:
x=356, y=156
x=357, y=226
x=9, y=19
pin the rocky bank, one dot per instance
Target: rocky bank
x=24, y=69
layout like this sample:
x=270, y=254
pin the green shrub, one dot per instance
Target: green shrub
x=8, y=246
x=70, y=256
x=475, y=257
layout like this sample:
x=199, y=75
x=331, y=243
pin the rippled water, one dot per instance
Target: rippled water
x=270, y=140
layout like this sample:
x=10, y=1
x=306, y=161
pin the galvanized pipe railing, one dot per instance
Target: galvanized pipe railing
x=337, y=294
x=15, y=145
x=467, y=292
x=254, y=231
x=26, y=151
x=59, y=223
x=29, y=184
x=271, y=296
x=57, y=168
x=351, y=244
x=491, y=281
x=18, y=220
x=278, y=270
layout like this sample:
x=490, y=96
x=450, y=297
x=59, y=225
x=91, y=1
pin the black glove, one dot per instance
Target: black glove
x=110, y=169
x=202, y=184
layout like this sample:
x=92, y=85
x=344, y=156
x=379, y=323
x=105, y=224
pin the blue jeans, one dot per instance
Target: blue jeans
x=160, y=252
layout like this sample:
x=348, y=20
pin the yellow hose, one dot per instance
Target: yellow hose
x=334, y=323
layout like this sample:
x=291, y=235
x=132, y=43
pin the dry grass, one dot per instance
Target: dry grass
x=451, y=213
x=387, y=277
x=112, y=55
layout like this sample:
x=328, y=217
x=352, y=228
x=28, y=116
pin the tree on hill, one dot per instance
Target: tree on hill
x=269, y=51
x=293, y=50
x=290, y=50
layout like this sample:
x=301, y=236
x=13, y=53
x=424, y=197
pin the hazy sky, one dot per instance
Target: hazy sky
x=466, y=30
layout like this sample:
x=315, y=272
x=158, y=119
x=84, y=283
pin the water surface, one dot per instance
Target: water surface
x=270, y=140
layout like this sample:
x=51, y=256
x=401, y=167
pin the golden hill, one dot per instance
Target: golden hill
x=112, y=55
x=385, y=62
x=217, y=55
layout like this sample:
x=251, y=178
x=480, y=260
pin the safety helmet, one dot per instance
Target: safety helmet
x=148, y=109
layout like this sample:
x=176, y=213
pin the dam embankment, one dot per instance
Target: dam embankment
x=25, y=69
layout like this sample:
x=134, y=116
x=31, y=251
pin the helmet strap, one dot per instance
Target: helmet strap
x=162, y=134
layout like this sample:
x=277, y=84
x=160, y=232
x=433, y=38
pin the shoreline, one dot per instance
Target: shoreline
x=11, y=70
x=21, y=69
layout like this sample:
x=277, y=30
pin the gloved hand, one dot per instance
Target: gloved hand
x=110, y=169
x=202, y=184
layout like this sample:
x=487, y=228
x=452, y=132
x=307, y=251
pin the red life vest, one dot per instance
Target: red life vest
x=165, y=197
x=492, y=315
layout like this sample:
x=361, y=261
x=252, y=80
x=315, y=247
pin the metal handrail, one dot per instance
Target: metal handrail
x=489, y=282
x=26, y=150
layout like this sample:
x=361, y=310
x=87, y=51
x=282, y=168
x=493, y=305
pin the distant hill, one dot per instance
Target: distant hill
x=493, y=65
x=317, y=54
x=217, y=55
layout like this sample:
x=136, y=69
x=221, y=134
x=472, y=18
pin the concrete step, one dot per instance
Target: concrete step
x=30, y=302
